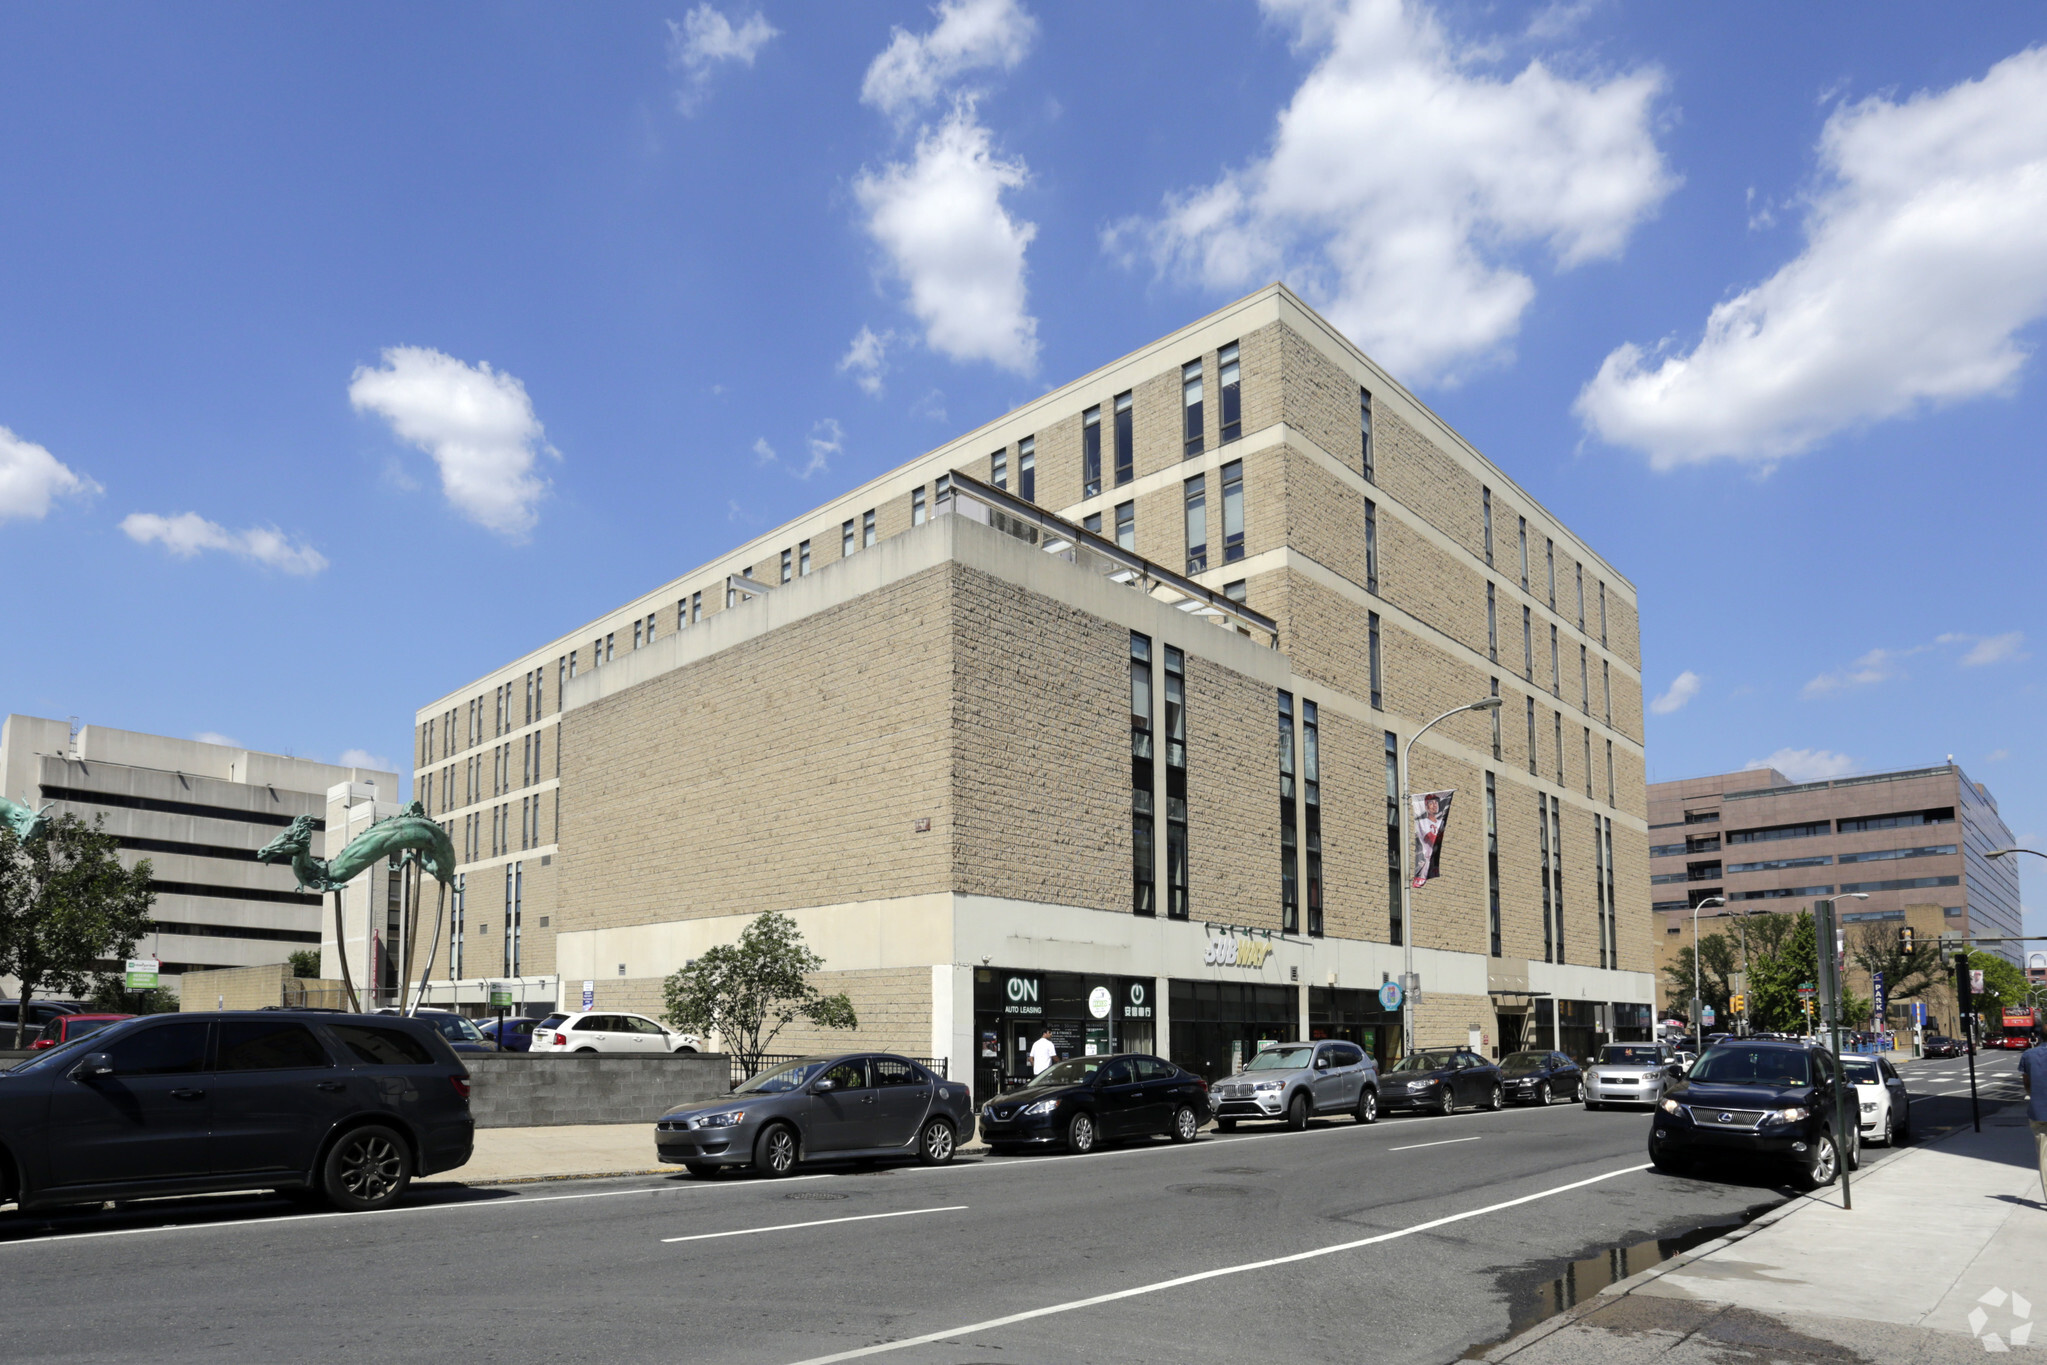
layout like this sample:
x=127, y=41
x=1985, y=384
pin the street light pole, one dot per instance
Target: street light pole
x=1407, y=876
x=1842, y=1115
x=1698, y=1014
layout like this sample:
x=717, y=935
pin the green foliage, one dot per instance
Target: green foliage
x=1874, y=948
x=2003, y=984
x=110, y=995
x=305, y=963
x=66, y=906
x=747, y=992
x=1719, y=960
x=1781, y=958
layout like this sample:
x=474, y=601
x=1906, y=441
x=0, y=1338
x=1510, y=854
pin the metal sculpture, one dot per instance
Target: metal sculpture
x=26, y=824
x=411, y=838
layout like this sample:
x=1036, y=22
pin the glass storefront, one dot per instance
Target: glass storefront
x=1220, y=1025
x=1086, y=1015
x=1355, y=1017
x=1633, y=1023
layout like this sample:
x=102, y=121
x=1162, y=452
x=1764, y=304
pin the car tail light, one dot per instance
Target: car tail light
x=461, y=1084
x=1203, y=1083
x=561, y=1040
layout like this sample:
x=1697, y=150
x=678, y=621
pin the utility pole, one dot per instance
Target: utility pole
x=1965, y=1000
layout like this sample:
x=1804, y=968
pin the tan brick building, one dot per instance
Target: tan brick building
x=1083, y=721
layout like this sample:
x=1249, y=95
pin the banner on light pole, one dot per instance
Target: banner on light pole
x=1431, y=812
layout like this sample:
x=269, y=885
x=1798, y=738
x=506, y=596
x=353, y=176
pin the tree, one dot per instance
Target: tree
x=1718, y=963
x=1786, y=958
x=67, y=905
x=747, y=992
x=111, y=995
x=2003, y=984
x=305, y=963
x=1874, y=948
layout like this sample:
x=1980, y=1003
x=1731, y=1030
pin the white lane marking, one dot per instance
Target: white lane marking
x=815, y=1223
x=1049, y=1310
x=1444, y=1143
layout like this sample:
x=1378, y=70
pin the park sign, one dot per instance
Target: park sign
x=142, y=973
x=500, y=995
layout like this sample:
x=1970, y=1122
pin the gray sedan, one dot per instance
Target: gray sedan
x=862, y=1104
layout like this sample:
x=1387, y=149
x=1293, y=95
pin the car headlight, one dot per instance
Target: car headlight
x=1419, y=1085
x=1269, y=1085
x=1041, y=1107
x=1670, y=1106
x=1797, y=1113
x=1869, y=1106
x=725, y=1119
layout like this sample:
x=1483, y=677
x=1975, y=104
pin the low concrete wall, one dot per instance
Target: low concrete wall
x=522, y=1090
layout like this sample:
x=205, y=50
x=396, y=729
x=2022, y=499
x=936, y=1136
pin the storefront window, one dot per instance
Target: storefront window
x=1218, y=1026
x=1086, y=1015
x=1355, y=1017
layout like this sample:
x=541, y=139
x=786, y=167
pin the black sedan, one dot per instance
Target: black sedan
x=1443, y=1081
x=857, y=1105
x=1540, y=1077
x=1759, y=1103
x=1086, y=1101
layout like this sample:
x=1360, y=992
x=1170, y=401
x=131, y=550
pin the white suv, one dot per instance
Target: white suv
x=609, y=1032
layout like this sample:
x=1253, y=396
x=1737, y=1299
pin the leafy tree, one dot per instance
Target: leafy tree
x=1874, y=948
x=1787, y=959
x=111, y=995
x=2003, y=984
x=67, y=905
x=305, y=963
x=747, y=992
x=1718, y=962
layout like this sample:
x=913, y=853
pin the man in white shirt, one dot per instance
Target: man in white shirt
x=1043, y=1053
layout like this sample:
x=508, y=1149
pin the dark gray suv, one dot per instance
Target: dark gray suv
x=346, y=1108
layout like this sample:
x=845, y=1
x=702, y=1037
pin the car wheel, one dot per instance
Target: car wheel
x=935, y=1144
x=1887, y=1137
x=1368, y=1106
x=685, y=1049
x=586, y=1049
x=1449, y=1105
x=1297, y=1113
x=1080, y=1134
x=775, y=1151
x=1186, y=1124
x=702, y=1170
x=1542, y=1095
x=1226, y=1125
x=1499, y=1099
x=1823, y=1165
x=368, y=1168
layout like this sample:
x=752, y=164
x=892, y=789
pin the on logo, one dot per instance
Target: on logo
x=1022, y=988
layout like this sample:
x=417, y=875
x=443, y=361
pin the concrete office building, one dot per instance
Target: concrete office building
x=1086, y=721
x=1910, y=839
x=198, y=812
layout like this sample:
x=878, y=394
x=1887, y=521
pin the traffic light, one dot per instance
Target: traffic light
x=1737, y=1004
x=1905, y=939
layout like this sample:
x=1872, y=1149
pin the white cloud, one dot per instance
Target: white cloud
x=363, y=758
x=1806, y=765
x=971, y=35
x=1682, y=689
x=215, y=737
x=867, y=359
x=1402, y=179
x=188, y=533
x=707, y=39
x=763, y=453
x=31, y=478
x=960, y=253
x=826, y=441
x=1989, y=649
x=477, y=423
x=1925, y=256
x=1997, y=756
x=1879, y=665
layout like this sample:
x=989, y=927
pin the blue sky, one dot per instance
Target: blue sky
x=346, y=352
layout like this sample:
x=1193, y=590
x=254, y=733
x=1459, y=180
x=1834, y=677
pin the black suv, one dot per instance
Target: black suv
x=1757, y=1099
x=348, y=1108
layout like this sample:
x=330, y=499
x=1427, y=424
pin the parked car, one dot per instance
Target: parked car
x=610, y=1032
x=1758, y=1101
x=348, y=1108
x=516, y=1033
x=65, y=1027
x=1083, y=1102
x=1293, y=1081
x=855, y=1105
x=1443, y=1080
x=1883, y=1108
x=40, y=1013
x=1936, y=1045
x=1630, y=1073
x=1540, y=1077
x=462, y=1035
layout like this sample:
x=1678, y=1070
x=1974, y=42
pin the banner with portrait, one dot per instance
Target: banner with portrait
x=1431, y=812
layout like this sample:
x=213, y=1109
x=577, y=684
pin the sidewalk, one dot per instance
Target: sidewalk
x=505, y=1156
x=1946, y=1245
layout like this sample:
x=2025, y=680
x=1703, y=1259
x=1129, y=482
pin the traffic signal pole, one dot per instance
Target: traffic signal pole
x=1965, y=993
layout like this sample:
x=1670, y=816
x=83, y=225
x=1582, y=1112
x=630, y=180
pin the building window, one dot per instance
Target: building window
x=1531, y=736
x=609, y=641
x=803, y=560
x=458, y=914
x=515, y=889
x=1522, y=523
x=1602, y=613
x=1143, y=772
x=1588, y=763
x=1599, y=888
x=998, y=469
x=1092, y=522
x=1556, y=671
x=1492, y=862
x=1580, y=569
x=1528, y=644
x=1549, y=554
x=1551, y=950
x=637, y=641
x=1558, y=719
x=1236, y=591
x=1126, y=525
x=1485, y=509
x=1584, y=680
x=1495, y=715
x=1606, y=687
x=1176, y=784
x=1289, y=852
x=1372, y=645
x=846, y=539
x=696, y=612
x=1311, y=800
x=940, y=490
x=1232, y=415
x=1027, y=469
x=1190, y=405
x=1492, y=625
x=917, y=512
x=1613, y=907
x=1365, y=461
x=867, y=531
x=1091, y=452
x=1393, y=878
x=1196, y=495
x=1126, y=440
x=1233, y=511
x=1609, y=773
x=1371, y=546
x=788, y=568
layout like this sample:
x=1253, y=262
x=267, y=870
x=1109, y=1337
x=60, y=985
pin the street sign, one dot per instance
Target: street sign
x=1706, y=1016
x=142, y=974
x=1389, y=996
x=500, y=995
x=589, y=995
x=1878, y=1001
x=1807, y=991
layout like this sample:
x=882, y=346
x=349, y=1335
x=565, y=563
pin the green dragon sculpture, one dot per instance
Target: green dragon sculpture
x=25, y=823
x=410, y=836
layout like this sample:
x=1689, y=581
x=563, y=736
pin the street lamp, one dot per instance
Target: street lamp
x=1406, y=877
x=2005, y=852
x=1698, y=1015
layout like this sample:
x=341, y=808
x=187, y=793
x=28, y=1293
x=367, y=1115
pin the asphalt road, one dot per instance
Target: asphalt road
x=1412, y=1239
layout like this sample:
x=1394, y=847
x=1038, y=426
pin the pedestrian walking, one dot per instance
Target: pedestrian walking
x=2033, y=1071
x=1044, y=1053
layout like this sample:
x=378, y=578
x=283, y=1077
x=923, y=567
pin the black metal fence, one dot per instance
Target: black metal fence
x=769, y=1061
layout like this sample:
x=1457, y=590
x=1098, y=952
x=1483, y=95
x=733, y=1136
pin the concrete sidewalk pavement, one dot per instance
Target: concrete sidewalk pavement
x=1942, y=1258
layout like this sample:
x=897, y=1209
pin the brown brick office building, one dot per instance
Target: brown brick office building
x=1096, y=737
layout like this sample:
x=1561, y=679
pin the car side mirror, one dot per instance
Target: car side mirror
x=93, y=1066
x=823, y=1085
x=1321, y=1063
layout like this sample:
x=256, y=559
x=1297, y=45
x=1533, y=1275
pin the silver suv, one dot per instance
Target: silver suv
x=1295, y=1081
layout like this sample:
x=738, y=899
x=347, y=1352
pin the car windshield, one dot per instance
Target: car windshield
x=1524, y=1063
x=1753, y=1066
x=64, y=1054
x=1077, y=1071
x=453, y=1027
x=1862, y=1070
x=783, y=1078
x=78, y=1028
x=1426, y=1061
x=1281, y=1059
x=1617, y=1055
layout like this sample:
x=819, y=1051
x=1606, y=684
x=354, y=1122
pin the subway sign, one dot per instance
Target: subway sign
x=1231, y=951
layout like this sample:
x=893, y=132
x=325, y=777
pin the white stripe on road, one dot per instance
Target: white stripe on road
x=816, y=1223
x=1419, y=1145
x=1196, y=1278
